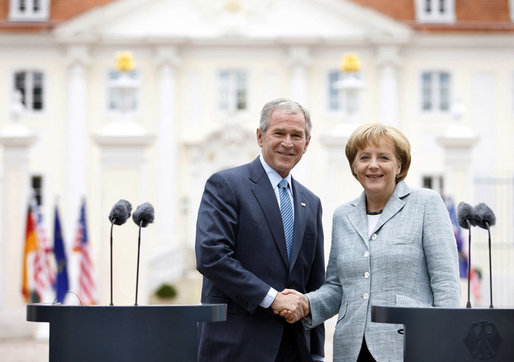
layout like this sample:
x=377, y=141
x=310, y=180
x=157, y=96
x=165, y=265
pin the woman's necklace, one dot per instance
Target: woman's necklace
x=374, y=212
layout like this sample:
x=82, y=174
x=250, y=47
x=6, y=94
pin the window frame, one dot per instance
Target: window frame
x=29, y=14
x=437, y=182
x=135, y=77
x=334, y=99
x=233, y=90
x=439, y=103
x=28, y=95
x=424, y=15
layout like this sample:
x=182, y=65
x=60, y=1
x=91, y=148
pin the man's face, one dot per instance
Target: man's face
x=284, y=142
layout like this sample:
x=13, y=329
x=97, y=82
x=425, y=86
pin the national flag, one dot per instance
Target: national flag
x=463, y=258
x=86, y=288
x=44, y=272
x=61, y=282
x=31, y=246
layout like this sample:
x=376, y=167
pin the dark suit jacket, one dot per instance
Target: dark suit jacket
x=241, y=252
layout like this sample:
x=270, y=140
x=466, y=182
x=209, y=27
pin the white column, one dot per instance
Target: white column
x=76, y=138
x=388, y=61
x=299, y=60
x=167, y=261
x=16, y=140
x=458, y=142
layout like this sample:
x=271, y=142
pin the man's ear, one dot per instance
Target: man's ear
x=259, y=137
x=306, y=144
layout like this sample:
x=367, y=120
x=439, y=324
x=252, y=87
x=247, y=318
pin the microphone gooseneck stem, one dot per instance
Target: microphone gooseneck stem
x=468, y=304
x=490, y=268
x=112, y=225
x=137, y=268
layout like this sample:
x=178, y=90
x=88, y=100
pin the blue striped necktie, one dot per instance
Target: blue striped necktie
x=286, y=210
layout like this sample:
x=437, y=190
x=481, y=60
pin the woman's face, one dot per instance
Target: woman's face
x=376, y=168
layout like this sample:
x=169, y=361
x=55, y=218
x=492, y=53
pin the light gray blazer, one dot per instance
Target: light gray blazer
x=409, y=260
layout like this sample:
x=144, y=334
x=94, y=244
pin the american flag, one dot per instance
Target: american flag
x=86, y=287
x=44, y=270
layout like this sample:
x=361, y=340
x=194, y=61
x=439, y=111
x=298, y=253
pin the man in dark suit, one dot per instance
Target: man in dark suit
x=241, y=247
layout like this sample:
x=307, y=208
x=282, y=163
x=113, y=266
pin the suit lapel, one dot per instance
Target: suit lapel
x=394, y=205
x=301, y=209
x=263, y=192
x=358, y=217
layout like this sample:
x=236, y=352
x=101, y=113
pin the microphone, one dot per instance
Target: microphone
x=484, y=218
x=466, y=219
x=119, y=214
x=143, y=216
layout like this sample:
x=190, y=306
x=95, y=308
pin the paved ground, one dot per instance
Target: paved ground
x=23, y=350
x=36, y=350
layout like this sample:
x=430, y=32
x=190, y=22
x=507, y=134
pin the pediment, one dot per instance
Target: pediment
x=248, y=20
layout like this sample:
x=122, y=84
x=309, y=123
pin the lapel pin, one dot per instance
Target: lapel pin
x=303, y=204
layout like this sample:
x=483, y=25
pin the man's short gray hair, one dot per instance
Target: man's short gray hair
x=288, y=106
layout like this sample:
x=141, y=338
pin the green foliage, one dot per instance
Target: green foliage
x=166, y=291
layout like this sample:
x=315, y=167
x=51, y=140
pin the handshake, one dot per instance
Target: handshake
x=291, y=305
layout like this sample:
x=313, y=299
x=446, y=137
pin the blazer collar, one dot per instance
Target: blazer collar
x=358, y=217
x=263, y=191
x=301, y=210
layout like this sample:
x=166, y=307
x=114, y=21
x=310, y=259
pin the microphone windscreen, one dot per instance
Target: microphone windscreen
x=484, y=215
x=465, y=212
x=143, y=215
x=120, y=212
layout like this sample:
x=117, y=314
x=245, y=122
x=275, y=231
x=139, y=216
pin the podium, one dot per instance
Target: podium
x=456, y=334
x=124, y=333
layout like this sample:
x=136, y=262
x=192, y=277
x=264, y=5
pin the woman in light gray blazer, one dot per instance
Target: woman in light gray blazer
x=392, y=246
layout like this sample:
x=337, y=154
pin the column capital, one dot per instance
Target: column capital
x=299, y=55
x=389, y=55
x=78, y=55
x=167, y=56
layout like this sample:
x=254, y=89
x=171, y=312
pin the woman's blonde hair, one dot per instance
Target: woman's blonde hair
x=374, y=133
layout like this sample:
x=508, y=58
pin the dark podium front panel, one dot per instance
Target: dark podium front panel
x=456, y=334
x=124, y=333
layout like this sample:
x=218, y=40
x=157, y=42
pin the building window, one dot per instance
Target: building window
x=435, y=91
x=434, y=182
x=31, y=87
x=334, y=99
x=233, y=90
x=29, y=10
x=435, y=11
x=36, y=182
x=123, y=89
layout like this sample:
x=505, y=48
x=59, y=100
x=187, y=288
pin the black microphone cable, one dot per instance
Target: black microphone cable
x=119, y=214
x=143, y=216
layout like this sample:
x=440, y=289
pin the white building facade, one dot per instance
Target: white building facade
x=203, y=70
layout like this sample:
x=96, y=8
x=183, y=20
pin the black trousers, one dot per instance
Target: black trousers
x=364, y=354
x=291, y=350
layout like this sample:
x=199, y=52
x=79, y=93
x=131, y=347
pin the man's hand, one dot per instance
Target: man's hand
x=288, y=306
x=291, y=305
